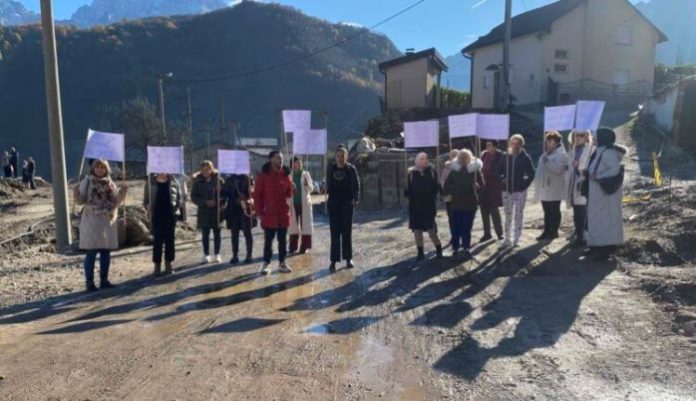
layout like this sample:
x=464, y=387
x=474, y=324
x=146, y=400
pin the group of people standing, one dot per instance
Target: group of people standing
x=588, y=178
x=10, y=166
x=279, y=200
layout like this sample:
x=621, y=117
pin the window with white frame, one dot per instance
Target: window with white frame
x=560, y=68
x=623, y=35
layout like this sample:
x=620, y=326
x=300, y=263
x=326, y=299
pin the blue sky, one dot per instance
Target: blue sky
x=448, y=25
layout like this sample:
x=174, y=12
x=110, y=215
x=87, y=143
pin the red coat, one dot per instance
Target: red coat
x=271, y=193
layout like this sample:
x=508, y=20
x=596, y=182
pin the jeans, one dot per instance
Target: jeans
x=163, y=237
x=579, y=215
x=269, y=235
x=552, y=216
x=449, y=217
x=462, y=223
x=206, y=240
x=488, y=214
x=341, y=227
x=104, y=263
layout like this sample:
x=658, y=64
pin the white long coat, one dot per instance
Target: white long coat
x=550, y=176
x=307, y=215
x=604, y=212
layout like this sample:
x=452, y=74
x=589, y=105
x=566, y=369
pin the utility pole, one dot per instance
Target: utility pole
x=505, y=93
x=190, y=113
x=55, y=128
x=160, y=105
x=235, y=130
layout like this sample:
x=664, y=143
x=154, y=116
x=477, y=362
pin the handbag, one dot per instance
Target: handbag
x=611, y=184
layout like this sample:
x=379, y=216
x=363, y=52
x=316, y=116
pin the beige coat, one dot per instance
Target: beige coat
x=98, y=227
x=307, y=215
x=550, y=176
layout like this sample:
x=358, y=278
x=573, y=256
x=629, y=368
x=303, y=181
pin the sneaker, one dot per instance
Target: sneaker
x=206, y=259
x=332, y=267
x=284, y=268
x=218, y=258
x=266, y=269
x=349, y=264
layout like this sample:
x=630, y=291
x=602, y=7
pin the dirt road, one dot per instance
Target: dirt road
x=536, y=323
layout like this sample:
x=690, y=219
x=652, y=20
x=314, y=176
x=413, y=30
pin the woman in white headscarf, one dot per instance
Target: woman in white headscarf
x=578, y=160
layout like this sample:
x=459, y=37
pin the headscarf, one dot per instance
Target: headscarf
x=606, y=137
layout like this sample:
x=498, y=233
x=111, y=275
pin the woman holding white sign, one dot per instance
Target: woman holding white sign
x=98, y=226
x=550, y=183
x=301, y=216
x=578, y=159
x=205, y=194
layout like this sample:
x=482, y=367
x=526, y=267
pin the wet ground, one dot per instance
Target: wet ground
x=536, y=323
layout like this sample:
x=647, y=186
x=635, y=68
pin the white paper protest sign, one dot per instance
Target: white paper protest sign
x=559, y=118
x=493, y=126
x=105, y=145
x=422, y=134
x=165, y=159
x=234, y=161
x=297, y=120
x=589, y=114
x=311, y=142
x=462, y=125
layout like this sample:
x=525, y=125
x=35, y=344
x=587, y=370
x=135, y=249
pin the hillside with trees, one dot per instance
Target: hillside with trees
x=103, y=67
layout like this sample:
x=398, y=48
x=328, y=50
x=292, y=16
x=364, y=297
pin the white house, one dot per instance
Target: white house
x=570, y=49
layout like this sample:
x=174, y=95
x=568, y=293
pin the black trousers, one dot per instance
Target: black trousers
x=246, y=229
x=579, y=216
x=163, y=237
x=8, y=171
x=552, y=216
x=269, y=235
x=488, y=214
x=341, y=227
x=206, y=240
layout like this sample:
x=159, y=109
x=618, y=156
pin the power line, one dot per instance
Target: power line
x=302, y=57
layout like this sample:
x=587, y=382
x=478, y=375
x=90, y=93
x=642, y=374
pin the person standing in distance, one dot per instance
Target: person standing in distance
x=343, y=188
x=272, y=195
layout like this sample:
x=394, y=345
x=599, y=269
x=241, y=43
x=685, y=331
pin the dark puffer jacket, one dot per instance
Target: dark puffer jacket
x=175, y=197
x=520, y=170
x=203, y=191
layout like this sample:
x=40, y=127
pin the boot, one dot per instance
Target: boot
x=438, y=252
x=234, y=260
x=421, y=253
x=167, y=267
x=158, y=270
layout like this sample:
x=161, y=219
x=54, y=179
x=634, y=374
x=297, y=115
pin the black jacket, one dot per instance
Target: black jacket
x=236, y=189
x=520, y=169
x=201, y=192
x=342, y=189
x=149, y=197
x=421, y=190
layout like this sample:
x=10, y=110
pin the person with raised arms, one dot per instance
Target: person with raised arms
x=163, y=202
x=343, y=187
x=98, y=227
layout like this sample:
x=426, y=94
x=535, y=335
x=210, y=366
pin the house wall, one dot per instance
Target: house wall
x=588, y=34
x=407, y=85
x=662, y=108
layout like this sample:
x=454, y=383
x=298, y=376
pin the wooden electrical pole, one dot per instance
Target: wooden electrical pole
x=55, y=128
x=505, y=92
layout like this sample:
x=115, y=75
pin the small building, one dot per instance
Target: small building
x=568, y=50
x=207, y=152
x=412, y=81
x=672, y=109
